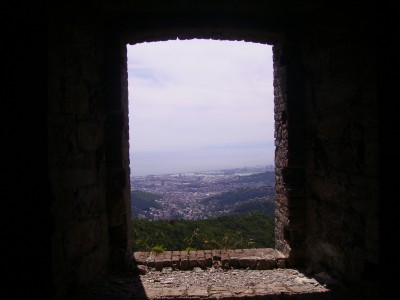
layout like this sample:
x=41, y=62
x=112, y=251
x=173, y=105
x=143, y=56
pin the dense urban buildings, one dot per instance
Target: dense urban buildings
x=181, y=196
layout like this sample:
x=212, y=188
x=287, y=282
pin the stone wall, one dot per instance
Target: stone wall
x=76, y=154
x=342, y=166
x=327, y=151
x=255, y=259
x=289, y=152
x=326, y=127
x=87, y=149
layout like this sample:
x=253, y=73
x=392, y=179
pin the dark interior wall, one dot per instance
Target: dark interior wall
x=342, y=151
x=325, y=113
x=87, y=147
x=76, y=154
x=327, y=148
x=117, y=150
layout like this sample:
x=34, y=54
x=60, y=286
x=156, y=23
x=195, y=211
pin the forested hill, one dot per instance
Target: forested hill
x=243, y=200
x=142, y=201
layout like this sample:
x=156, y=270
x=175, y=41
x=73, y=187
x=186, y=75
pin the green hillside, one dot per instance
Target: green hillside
x=244, y=199
x=250, y=230
x=263, y=205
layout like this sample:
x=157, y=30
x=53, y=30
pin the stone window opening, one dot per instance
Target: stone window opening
x=240, y=258
x=283, y=231
x=256, y=259
x=289, y=225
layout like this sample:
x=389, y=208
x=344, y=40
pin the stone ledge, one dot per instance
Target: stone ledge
x=256, y=259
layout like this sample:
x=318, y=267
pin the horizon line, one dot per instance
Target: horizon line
x=210, y=170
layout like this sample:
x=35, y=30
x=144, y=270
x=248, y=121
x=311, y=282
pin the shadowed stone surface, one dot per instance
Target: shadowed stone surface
x=216, y=283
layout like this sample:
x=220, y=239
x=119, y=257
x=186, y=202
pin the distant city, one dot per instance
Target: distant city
x=194, y=195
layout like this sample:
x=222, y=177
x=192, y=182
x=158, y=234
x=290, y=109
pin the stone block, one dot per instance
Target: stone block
x=216, y=254
x=140, y=257
x=167, y=255
x=184, y=264
x=269, y=251
x=175, y=261
x=266, y=264
x=225, y=264
x=158, y=263
x=281, y=263
x=234, y=262
x=167, y=263
x=248, y=262
x=204, y=263
x=225, y=260
x=150, y=261
x=200, y=254
x=193, y=263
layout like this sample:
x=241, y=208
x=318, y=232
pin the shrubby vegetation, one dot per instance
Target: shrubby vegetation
x=250, y=230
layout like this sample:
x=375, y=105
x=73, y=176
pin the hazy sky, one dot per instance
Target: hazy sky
x=198, y=105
